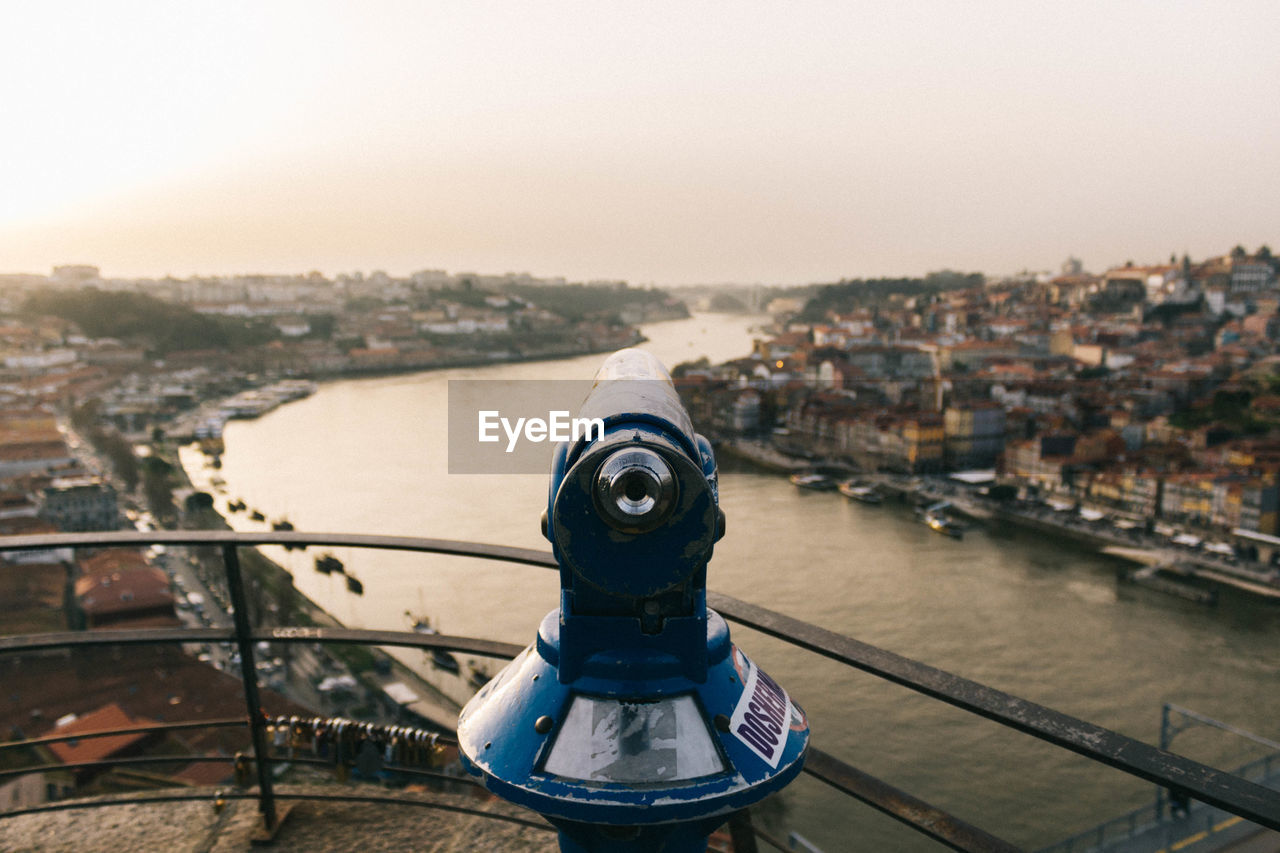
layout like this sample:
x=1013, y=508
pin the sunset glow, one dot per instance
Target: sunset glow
x=667, y=143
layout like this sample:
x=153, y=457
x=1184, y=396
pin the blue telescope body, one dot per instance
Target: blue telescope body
x=633, y=723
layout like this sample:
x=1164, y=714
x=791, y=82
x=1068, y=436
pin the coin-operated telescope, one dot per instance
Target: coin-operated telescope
x=633, y=723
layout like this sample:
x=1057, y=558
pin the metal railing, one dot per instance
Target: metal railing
x=1142, y=820
x=1178, y=774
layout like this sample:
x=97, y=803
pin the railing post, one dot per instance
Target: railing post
x=742, y=833
x=1166, y=737
x=249, y=675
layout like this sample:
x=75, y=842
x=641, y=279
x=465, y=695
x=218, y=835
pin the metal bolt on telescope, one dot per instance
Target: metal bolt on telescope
x=633, y=723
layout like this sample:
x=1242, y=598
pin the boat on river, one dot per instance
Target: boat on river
x=479, y=676
x=814, y=481
x=946, y=526
x=440, y=659
x=327, y=564
x=286, y=526
x=859, y=491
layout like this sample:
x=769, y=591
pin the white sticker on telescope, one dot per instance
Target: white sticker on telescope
x=762, y=719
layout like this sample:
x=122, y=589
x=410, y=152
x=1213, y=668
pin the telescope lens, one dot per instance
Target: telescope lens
x=635, y=490
x=635, y=486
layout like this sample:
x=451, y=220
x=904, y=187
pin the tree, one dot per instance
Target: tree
x=161, y=327
x=322, y=326
x=120, y=452
x=727, y=302
x=363, y=304
x=683, y=368
x=1264, y=255
x=1239, y=252
x=85, y=415
x=156, y=485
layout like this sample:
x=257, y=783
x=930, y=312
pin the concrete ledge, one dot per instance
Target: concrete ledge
x=197, y=827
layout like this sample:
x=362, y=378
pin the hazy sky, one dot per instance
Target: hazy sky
x=657, y=142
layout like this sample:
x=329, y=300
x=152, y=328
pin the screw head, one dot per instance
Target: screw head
x=542, y=725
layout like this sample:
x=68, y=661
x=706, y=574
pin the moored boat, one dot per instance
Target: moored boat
x=285, y=525
x=479, y=677
x=328, y=564
x=813, y=480
x=944, y=525
x=859, y=491
x=440, y=659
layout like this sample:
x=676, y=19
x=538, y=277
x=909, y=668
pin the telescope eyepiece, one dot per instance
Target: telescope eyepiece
x=635, y=490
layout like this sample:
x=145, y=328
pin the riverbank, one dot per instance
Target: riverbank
x=492, y=358
x=1147, y=552
x=1130, y=547
x=205, y=422
x=761, y=455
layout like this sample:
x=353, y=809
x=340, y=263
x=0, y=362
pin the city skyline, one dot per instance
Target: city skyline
x=667, y=145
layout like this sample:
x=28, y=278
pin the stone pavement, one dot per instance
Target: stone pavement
x=322, y=827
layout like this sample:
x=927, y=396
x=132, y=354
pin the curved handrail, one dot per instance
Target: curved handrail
x=504, y=553
x=289, y=634
x=1253, y=802
x=217, y=793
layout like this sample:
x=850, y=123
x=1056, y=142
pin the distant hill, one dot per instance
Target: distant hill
x=158, y=326
x=857, y=293
x=577, y=302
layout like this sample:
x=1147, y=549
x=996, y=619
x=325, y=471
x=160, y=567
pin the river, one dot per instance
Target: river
x=1042, y=619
